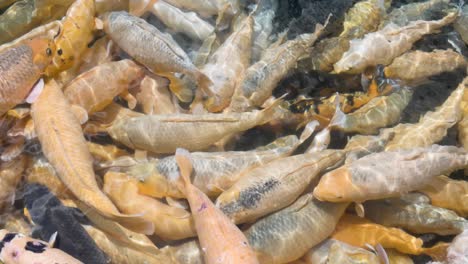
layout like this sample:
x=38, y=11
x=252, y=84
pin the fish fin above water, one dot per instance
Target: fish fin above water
x=131, y=100
x=359, y=208
x=339, y=118
x=35, y=91
x=52, y=239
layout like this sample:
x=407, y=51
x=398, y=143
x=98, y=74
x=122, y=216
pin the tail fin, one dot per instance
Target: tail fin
x=203, y=81
x=179, y=88
x=273, y=111
x=184, y=163
x=339, y=119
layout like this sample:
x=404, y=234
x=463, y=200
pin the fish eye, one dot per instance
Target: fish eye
x=48, y=51
x=59, y=51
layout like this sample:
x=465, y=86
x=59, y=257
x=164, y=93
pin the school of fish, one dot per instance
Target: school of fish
x=233, y=131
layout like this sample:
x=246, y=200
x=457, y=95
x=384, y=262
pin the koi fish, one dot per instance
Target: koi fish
x=64, y=145
x=75, y=34
x=416, y=217
x=171, y=223
x=50, y=216
x=288, y=234
x=164, y=133
x=448, y=193
x=424, y=65
x=157, y=51
x=19, y=249
x=414, y=11
x=95, y=89
x=174, y=18
x=220, y=239
x=227, y=65
x=274, y=185
x=20, y=68
x=382, y=46
x=379, y=112
x=369, y=178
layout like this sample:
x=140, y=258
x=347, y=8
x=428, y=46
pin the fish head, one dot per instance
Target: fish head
x=337, y=186
x=43, y=50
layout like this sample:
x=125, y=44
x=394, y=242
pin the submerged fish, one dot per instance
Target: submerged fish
x=220, y=239
x=448, y=193
x=149, y=46
x=51, y=216
x=10, y=177
x=416, y=217
x=213, y=172
x=335, y=251
x=19, y=249
x=382, y=46
x=65, y=147
x=171, y=223
x=20, y=68
x=288, y=234
x=370, y=178
x=274, y=185
x=164, y=133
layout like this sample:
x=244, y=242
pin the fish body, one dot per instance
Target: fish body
x=288, y=234
x=75, y=35
x=369, y=178
x=65, y=148
x=171, y=223
x=377, y=113
x=382, y=46
x=95, y=89
x=20, y=249
x=358, y=232
x=335, y=251
x=164, y=133
x=227, y=65
x=179, y=21
x=149, y=46
x=275, y=185
x=119, y=253
x=213, y=172
x=154, y=96
x=262, y=77
x=457, y=252
x=416, y=217
x=414, y=66
x=220, y=239
x=448, y=193
x=262, y=27
x=415, y=11
x=20, y=68
x=432, y=127
x=50, y=216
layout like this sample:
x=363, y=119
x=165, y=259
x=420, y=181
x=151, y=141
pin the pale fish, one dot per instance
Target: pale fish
x=170, y=223
x=227, y=65
x=164, y=133
x=174, y=18
x=274, y=185
x=416, y=217
x=64, y=146
x=388, y=174
x=335, y=251
x=220, y=239
x=382, y=46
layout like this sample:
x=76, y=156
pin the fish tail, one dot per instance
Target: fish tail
x=179, y=88
x=203, y=81
x=339, y=118
x=273, y=111
x=184, y=163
